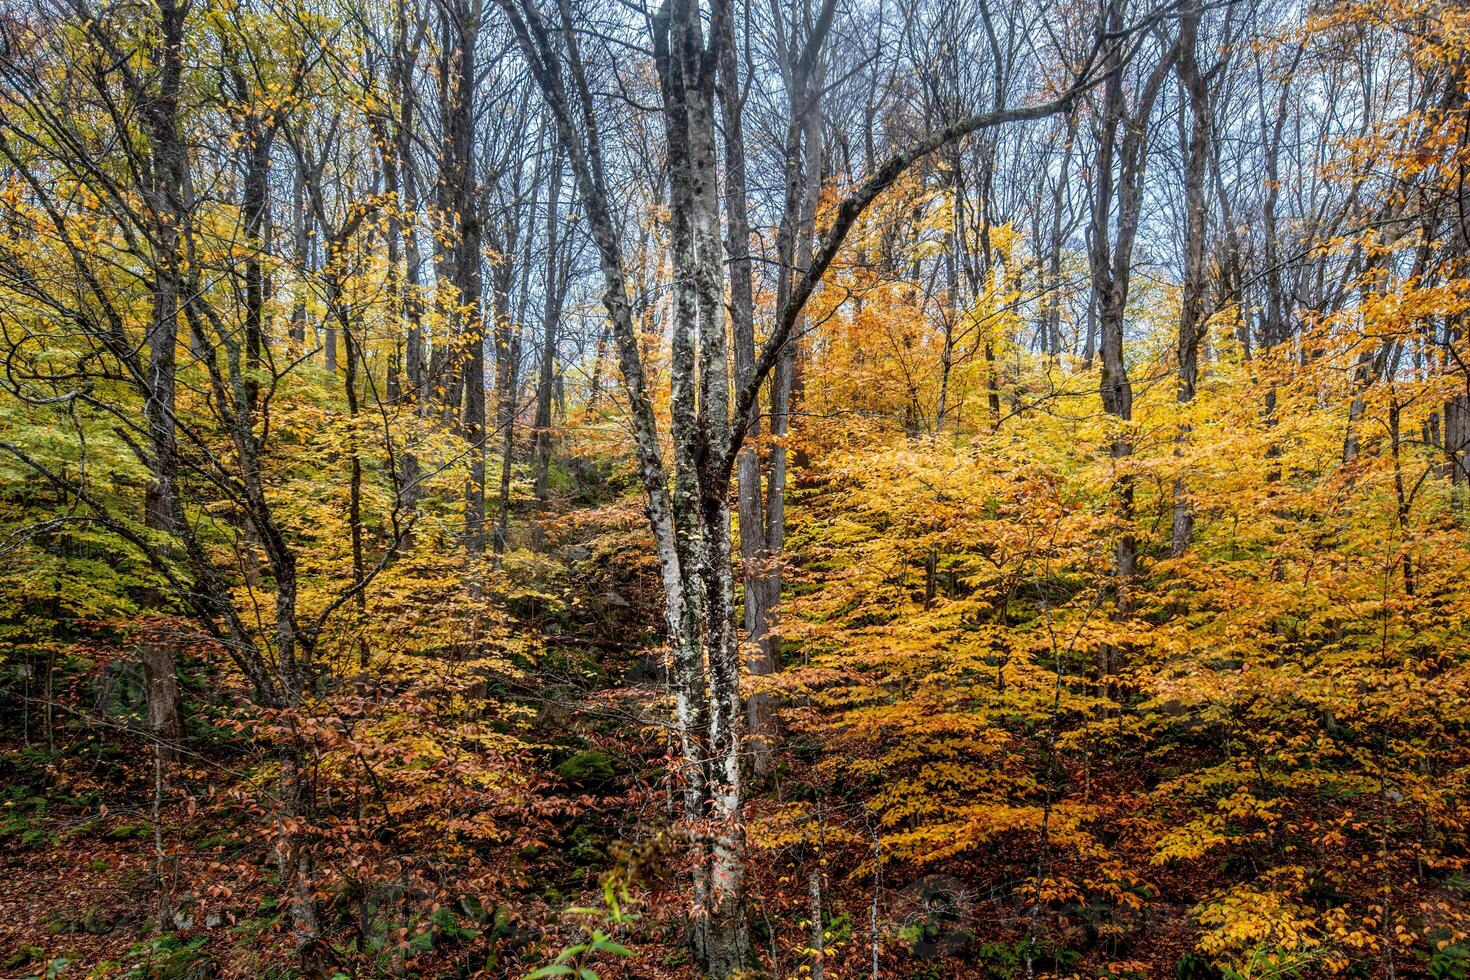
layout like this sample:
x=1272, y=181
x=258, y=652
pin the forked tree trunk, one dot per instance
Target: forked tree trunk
x=689, y=514
x=1122, y=156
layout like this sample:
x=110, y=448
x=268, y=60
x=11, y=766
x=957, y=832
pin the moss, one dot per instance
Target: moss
x=22, y=956
x=587, y=766
x=125, y=831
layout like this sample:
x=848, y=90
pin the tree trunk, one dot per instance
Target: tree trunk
x=508, y=336
x=760, y=710
x=300, y=228
x=1192, y=319
x=551, y=316
x=163, y=509
x=165, y=721
x=709, y=708
x=1119, y=171
x=465, y=362
x=403, y=229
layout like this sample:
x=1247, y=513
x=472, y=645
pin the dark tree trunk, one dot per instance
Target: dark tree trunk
x=165, y=720
x=166, y=200
x=1122, y=155
x=1192, y=317
x=556, y=277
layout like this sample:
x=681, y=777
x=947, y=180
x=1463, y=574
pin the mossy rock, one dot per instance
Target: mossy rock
x=95, y=922
x=587, y=848
x=22, y=956
x=170, y=958
x=59, y=923
x=587, y=767
x=125, y=831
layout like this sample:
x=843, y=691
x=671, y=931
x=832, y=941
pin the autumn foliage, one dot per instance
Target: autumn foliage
x=334, y=587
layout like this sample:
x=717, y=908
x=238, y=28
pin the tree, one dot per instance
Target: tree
x=129, y=128
x=687, y=501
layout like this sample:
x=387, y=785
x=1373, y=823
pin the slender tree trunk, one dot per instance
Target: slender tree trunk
x=403, y=230
x=1401, y=497
x=354, y=499
x=255, y=202
x=1053, y=301
x=819, y=938
x=1121, y=159
x=1192, y=319
x=785, y=381
x=162, y=506
x=551, y=316
x=300, y=228
x=801, y=69
x=508, y=345
x=760, y=709
x=463, y=210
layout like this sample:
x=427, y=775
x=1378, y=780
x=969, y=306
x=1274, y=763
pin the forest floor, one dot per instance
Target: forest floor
x=84, y=890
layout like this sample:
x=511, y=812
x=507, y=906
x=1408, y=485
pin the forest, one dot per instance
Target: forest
x=814, y=489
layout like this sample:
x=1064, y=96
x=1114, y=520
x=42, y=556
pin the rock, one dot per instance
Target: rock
x=95, y=923
x=587, y=766
x=647, y=669
x=125, y=831
x=22, y=956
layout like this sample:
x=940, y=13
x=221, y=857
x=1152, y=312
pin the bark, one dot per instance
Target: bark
x=763, y=519
x=165, y=720
x=1274, y=328
x=1121, y=159
x=398, y=170
x=1055, y=240
x=1401, y=496
x=556, y=278
x=708, y=682
x=166, y=201
x=760, y=708
x=508, y=333
x=804, y=183
x=341, y=313
x=819, y=939
x=464, y=366
x=1192, y=317
x=258, y=136
x=295, y=859
x=1233, y=290
x=329, y=346
x=300, y=228
x=690, y=519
